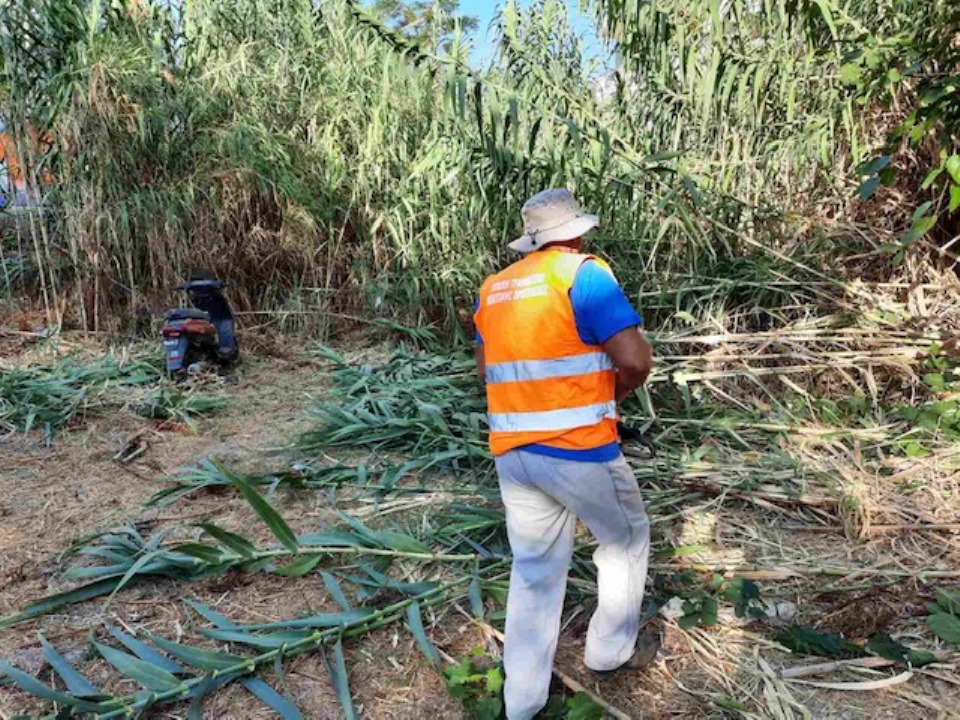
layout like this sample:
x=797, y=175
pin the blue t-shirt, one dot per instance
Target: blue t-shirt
x=600, y=311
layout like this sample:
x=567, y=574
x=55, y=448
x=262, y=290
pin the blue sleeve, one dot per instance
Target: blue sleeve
x=600, y=308
x=476, y=306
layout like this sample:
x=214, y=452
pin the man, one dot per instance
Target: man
x=558, y=346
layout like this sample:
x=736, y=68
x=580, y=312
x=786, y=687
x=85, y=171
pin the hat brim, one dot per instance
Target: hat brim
x=568, y=231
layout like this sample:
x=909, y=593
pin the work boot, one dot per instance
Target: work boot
x=646, y=651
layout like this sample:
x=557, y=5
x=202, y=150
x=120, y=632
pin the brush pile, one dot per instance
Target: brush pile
x=37, y=393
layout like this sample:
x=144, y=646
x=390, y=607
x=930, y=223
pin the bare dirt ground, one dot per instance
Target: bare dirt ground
x=52, y=496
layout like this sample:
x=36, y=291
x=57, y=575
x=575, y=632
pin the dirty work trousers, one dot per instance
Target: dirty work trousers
x=544, y=497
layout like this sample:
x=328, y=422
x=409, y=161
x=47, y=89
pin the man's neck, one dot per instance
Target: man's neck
x=560, y=248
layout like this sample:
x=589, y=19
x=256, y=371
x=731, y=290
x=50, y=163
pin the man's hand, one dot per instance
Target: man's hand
x=633, y=358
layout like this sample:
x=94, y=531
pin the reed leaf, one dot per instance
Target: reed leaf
x=341, y=684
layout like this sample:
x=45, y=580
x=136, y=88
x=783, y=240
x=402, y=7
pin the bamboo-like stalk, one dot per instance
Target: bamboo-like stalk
x=229, y=557
x=128, y=705
x=802, y=671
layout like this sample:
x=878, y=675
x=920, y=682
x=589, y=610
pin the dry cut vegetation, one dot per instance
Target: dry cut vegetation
x=788, y=524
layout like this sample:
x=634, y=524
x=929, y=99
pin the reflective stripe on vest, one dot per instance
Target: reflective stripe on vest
x=524, y=370
x=552, y=419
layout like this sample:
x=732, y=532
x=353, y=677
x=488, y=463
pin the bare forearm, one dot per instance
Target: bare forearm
x=633, y=358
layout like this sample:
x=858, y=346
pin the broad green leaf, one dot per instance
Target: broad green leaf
x=949, y=601
x=920, y=211
x=953, y=167
x=115, y=556
x=360, y=529
x=921, y=226
x=338, y=676
x=851, y=74
x=869, y=187
x=709, y=611
x=945, y=626
x=329, y=540
x=146, y=653
x=76, y=683
x=303, y=565
x=460, y=674
x=33, y=686
x=150, y=676
x=802, y=639
x=215, y=618
x=198, y=657
x=54, y=602
x=582, y=707
x=886, y=647
x=96, y=571
x=493, y=680
x=954, y=197
x=931, y=178
x=238, y=544
x=333, y=587
x=400, y=542
x=272, y=699
x=488, y=708
x=415, y=622
x=278, y=526
x=741, y=593
x=914, y=449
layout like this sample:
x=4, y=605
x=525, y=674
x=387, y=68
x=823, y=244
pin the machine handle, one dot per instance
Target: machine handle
x=634, y=435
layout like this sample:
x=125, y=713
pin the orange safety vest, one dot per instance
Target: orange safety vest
x=544, y=384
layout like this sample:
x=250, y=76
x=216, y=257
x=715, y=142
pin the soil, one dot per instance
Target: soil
x=53, y=496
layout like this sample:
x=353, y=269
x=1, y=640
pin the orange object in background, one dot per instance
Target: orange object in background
x=11, y=158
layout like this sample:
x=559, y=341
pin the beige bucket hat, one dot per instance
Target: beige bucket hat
x=551, y=216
